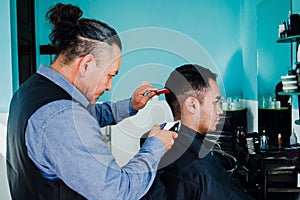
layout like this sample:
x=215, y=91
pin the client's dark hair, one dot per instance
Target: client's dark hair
x=187, y=80
x=74, y=36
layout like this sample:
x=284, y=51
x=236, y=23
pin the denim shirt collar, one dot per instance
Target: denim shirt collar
x=63, y=83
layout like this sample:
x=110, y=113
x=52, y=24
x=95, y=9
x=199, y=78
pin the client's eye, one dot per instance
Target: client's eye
x=216, y=102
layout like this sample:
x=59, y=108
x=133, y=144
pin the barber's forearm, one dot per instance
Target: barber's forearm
x=110, y=113
x=143, y=167
x=129, y=182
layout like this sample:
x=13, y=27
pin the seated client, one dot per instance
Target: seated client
x=190, y=170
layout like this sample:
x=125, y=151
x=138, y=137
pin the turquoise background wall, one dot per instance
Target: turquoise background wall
x=211, y=26
x=236, y=38
x=6, y=55
x=273, y=58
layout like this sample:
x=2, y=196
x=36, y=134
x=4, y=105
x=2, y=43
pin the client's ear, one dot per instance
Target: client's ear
x=191, y=104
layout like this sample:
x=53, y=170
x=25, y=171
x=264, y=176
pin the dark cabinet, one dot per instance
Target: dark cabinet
x=276, y=121
x=229, y=122
x=276, y=174
x=231, y=119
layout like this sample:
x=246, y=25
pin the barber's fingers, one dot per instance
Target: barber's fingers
x=146, y=83
x=147, y=89
x=166, y=137
x=174, y=134
x=149, y=93
x=142, y=95
x=155, y=129
x=169, y=143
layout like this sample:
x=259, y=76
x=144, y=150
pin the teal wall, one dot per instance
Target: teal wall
x=235, y=38
x=273, y=58
x=248, y=38
x=6, y=56
x=209, y=29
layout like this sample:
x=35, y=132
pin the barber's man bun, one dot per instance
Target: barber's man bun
x=60, y=14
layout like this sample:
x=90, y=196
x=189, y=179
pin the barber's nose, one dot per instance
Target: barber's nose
x=109, y=86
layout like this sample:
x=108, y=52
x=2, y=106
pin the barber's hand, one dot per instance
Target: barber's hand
x=138, y=100
x=166, y=137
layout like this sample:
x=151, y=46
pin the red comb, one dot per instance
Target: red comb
x=162, y=91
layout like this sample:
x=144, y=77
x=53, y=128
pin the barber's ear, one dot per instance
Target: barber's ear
x=85, y=61
x=192, y=104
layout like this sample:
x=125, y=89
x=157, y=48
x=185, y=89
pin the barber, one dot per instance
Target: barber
x=54, y=146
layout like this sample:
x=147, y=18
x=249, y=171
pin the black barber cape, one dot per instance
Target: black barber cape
x=190, y=171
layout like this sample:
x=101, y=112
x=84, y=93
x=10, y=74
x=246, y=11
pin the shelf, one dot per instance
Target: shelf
x=238, y=109
x=283, y=189
x=281, y=108
x=289, y=93
x=289, y=39
x=47, y=49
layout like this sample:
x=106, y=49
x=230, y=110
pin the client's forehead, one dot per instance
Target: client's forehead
x=214, y=89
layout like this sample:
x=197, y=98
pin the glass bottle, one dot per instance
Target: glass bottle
x=279, y=141
x=263, y=139
x=241, y=135
x=298, y=53
x=293, y=138
x=288, y=25
x=298, y=76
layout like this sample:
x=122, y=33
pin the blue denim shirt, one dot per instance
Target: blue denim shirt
x=64, y=142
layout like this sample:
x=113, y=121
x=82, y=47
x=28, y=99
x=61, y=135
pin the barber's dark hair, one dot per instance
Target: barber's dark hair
x=186, y=80
x=74, y=36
